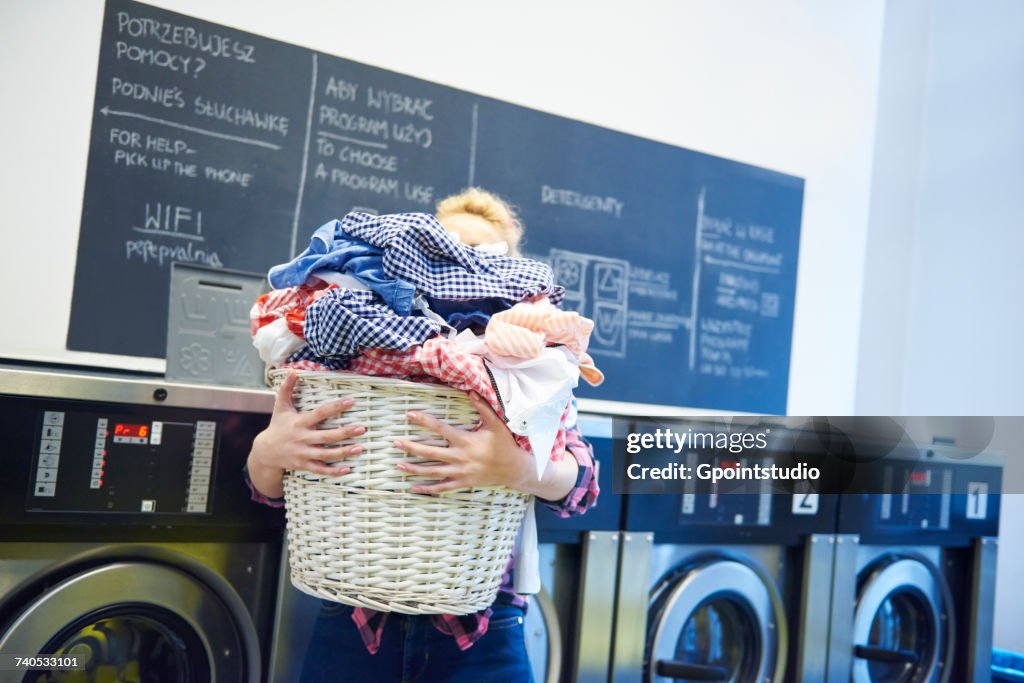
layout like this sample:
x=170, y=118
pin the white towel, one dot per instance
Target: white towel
x=535, y=393
x=527, y=566
x=275, y=342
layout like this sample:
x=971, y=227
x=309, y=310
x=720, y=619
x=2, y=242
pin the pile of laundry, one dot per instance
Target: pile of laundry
x=398, y=296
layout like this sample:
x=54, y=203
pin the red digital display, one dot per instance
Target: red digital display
x=131, y=430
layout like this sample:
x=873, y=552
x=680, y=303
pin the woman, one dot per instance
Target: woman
x=361, y=645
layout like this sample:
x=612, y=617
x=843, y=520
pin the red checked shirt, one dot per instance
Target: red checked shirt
x=467, y=629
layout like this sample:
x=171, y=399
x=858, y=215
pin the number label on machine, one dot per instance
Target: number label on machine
x=805, y=503
x=977, y=500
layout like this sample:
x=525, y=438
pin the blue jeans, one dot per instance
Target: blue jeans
x=412, y=650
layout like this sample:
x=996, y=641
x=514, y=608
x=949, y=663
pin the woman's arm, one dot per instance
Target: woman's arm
x=292, y=442
x=488, y=456
x=585, y=490
x=558, y=480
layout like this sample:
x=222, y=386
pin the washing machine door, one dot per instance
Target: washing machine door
x=135, y=621
x=543, y=639
x=716, y=620
x=900, y=623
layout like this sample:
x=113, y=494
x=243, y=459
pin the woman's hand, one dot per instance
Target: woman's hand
x=292, y=442
x=488, y=456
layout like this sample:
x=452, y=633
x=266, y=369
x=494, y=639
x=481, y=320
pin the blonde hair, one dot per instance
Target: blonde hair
x=488, y=206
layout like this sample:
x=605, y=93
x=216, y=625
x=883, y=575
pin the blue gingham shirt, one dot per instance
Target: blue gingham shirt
x=331, y=249
x=418, y=250
x=307, y=354
x=340, y=322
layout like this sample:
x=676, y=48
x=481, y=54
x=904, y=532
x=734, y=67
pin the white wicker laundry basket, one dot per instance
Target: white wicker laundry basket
x=363, y=539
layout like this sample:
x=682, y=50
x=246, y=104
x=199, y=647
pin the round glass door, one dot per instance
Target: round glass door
x=719, y=638
x=128, y=643
x=543, y=639
x=136, y=621
x=897, y=630
x=717, y=621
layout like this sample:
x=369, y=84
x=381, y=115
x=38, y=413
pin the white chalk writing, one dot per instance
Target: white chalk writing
x=579, y=200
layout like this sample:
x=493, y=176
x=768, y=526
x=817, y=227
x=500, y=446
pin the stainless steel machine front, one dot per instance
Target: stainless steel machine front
x=128, y=539
x=723, y=586
x=914, y=583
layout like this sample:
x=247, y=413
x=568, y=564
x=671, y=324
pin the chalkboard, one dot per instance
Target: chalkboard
x=226, y=149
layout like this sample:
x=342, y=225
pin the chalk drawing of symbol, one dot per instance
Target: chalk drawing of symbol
x=608, y=324
x=610, y=282
x=597, y=287
x=194, y=359
x=569, y=274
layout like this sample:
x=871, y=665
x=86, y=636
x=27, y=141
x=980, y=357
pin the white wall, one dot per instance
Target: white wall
x=790, y=86
x=943, y=314
x=966, y=325
x=894, y=206
x=967, y=311
x=942, y=318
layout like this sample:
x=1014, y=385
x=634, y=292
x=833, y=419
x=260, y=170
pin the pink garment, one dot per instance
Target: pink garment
x=525, y=329
x=443, y=360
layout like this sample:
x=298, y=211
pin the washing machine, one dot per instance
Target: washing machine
x=914, y=586
x=128, y=542
x=722, y=583
x=568, y=624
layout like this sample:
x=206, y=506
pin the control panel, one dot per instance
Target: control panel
x=88, y=461
x=718, y=503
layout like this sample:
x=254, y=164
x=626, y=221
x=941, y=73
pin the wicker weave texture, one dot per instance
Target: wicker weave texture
x=363, y=539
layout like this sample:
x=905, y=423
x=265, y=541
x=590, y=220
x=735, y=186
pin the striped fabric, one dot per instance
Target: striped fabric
x=525, y=329
x=509, y=339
